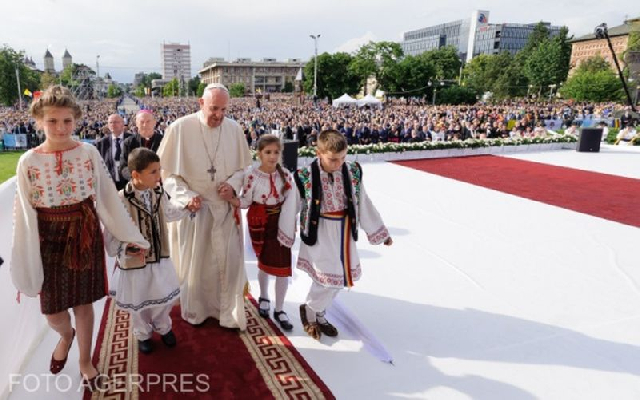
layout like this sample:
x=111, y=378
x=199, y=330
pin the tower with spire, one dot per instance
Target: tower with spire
x=49, y=66
x=66, y=59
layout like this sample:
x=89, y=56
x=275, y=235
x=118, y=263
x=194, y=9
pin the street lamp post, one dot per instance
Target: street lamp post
x=602, y=32
x=435, y=91
x=315, y=65
x=98, y=75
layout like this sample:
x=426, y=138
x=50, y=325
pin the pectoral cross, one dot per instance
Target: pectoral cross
x=212, y=171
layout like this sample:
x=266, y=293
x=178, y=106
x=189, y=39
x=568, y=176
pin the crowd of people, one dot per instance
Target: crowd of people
x=400, y=120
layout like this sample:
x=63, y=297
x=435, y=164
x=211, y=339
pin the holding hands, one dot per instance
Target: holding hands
x=194, y=204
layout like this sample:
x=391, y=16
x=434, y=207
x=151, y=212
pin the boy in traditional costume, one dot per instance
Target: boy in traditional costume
x=334, y=205
x=145, y=283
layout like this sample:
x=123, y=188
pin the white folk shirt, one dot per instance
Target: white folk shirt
x=46, y=180
x=258, y=188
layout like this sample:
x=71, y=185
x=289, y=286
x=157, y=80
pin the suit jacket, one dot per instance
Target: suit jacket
x=133, y=143
x=104, y=146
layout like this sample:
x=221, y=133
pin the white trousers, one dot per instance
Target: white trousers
x=319, y=298
x=149, y=320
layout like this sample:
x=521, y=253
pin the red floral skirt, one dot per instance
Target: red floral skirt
x=273, y=258
x=72, y=252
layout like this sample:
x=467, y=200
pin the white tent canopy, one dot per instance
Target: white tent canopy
x=370, y=101
x=344, y=100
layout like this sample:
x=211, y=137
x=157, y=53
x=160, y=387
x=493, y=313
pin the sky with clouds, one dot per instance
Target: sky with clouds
x=127, y=34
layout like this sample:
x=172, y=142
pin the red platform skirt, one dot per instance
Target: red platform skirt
x=273, y=258
x=72, y=251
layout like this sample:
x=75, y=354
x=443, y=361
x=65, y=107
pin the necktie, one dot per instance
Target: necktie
x=117, y=158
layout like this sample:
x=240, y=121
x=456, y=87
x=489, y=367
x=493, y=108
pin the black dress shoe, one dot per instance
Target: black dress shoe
x=169, y=339
x=264, y=312
x=145, y=346
x=284, y=322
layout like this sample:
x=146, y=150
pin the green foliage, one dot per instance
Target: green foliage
x=546, y=64
x=456, y=95
x=594, y=81
x=498, y=74
x=334, y=76
x=201, y=88
x=139, y=92
x=540, y=34
x=193, y=85
x=445, y=60
x=172, y=88
x=288, y=87
x=374, y=57
x=46, y=80
x=236, y=90
x=10, y=60
x=410, y=76
x=594, y=64
x=114, y=91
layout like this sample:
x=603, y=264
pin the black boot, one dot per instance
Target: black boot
x=311, y=328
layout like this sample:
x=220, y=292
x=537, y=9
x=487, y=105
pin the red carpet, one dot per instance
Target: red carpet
x=209, y=362
x=606, y=196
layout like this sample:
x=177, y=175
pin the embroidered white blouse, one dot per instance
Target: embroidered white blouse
x=60, y=178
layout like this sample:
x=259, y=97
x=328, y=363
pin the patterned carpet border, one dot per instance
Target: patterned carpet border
x=284, y=370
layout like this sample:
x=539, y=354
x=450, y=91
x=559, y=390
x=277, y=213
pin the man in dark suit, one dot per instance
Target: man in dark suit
x=111, y=149
x=146, y=137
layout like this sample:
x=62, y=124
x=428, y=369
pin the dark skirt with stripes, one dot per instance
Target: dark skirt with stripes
x=273, y=258
x=72, y=251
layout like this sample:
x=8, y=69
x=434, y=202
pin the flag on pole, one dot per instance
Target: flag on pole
x=27, y=92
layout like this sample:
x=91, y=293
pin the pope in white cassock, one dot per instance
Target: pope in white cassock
x=202, y=156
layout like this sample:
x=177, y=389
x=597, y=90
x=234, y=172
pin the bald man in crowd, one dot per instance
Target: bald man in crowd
x=111, y=148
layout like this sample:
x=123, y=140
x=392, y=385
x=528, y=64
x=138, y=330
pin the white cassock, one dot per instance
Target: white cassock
x=207, y=249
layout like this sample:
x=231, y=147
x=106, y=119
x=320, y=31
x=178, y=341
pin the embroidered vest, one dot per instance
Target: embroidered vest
x=310, y=188
x=152, y=225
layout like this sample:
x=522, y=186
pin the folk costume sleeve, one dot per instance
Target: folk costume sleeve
x=26, y=264
x=111, y=211
x=370, y=219
x=289, y=211
x=172, y=210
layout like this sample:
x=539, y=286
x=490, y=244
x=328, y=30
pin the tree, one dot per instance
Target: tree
x=410, y=77
x=10, y=61
x=334, y=76
x=540, y=34
x=445, y=60
x=46, y=80
x=114, y=91
x=593, y=80
x=193, y=85
x=236, y=90
x=594, y=64
x=172, y=88
x=478, y=73
x=372, y=58
x=288, y=87
x=139, y=92
x=456, y=95
x=544, y=66
x=200, y=90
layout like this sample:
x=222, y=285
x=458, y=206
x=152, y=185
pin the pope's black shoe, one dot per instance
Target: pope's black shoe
x=145, y=346
x=169, y=339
